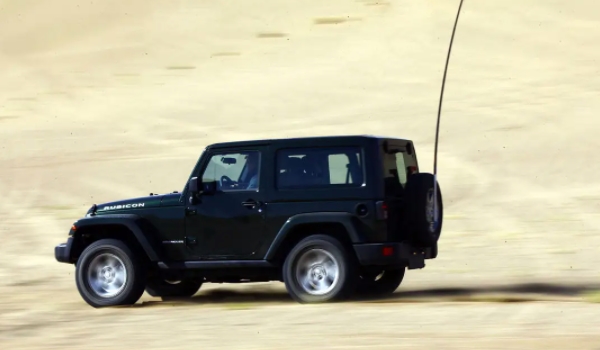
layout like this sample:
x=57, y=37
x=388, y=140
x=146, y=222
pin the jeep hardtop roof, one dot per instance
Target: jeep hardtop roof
x=302, y=140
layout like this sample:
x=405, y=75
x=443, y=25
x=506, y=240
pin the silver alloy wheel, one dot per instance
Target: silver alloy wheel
x=107, y=275
x=317, y=271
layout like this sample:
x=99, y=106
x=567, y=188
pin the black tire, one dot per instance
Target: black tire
x=180, y=289
x=418, y=206
x=135, y=280
x=380, y=284
x=343, y=285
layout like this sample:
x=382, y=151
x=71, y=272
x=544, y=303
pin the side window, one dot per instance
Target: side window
x=323, y=167
x=233, y=171
x=339, y=169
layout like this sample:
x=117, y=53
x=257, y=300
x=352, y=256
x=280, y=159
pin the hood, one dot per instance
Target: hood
x=151, y=201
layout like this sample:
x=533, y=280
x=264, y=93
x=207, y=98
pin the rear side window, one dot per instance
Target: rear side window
x=397, y=166
x=319, y=167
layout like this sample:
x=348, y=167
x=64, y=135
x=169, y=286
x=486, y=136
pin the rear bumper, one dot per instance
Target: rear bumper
x=395, y=254
x=62, y=252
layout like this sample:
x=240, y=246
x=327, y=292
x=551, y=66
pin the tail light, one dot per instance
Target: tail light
x=387, y=251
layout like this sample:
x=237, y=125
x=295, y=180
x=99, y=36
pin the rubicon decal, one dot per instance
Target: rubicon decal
x=122, y=206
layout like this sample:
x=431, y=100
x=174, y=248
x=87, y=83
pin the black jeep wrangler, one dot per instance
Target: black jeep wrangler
x=330, y=217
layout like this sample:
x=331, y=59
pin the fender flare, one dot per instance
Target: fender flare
x=141, y=229
x=345, y=219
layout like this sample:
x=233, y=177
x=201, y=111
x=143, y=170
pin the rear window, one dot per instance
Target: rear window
x=397, y=165
x=319, y=167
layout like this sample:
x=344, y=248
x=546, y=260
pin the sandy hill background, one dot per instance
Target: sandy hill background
x=101, y=100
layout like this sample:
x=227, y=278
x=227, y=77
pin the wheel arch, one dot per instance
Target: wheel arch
x=338, y=225
x=130, y=229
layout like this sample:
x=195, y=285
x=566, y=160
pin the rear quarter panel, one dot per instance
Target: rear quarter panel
x=282, y=204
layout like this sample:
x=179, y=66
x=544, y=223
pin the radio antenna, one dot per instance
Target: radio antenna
x=437, y=128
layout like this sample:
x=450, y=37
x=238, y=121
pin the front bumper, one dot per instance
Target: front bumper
x=396, y=254
x=62, y=252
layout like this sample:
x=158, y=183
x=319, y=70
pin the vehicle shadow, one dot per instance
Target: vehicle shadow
x=500, y=293
x=229, y=298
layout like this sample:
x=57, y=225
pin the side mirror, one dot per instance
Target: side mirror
x=193, y=185
x=196, y=189
x=193, y=189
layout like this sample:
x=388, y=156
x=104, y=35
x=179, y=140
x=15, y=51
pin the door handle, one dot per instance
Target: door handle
x=190, y=212
x=251, y=203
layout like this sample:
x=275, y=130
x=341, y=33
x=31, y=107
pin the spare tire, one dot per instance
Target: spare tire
x=419, y=216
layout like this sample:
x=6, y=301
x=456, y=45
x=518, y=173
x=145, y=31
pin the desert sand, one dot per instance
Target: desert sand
x=103, y=100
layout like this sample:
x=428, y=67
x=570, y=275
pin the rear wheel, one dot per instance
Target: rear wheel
x=108, y=274
x=319, y=269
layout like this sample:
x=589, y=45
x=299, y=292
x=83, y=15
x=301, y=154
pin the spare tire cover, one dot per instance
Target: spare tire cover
x=422, y=228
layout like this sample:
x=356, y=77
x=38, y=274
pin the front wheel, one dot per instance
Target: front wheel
x=108, y=274
x=319, y=269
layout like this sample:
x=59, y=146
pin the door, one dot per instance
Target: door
x=229, y=223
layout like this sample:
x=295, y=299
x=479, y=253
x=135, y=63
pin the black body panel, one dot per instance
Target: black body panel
x=145, y=234
x=246, y=227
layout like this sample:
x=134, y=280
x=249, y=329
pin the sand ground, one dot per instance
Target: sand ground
x=109, y=99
